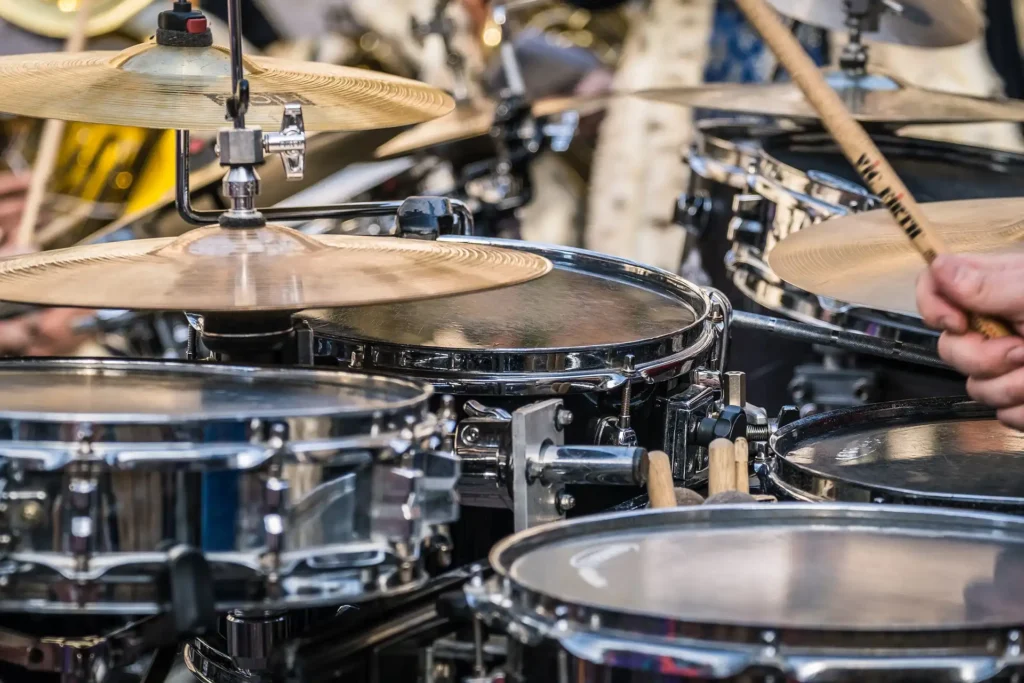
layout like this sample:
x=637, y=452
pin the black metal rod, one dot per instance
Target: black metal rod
x=840, y=339
x=235, y=32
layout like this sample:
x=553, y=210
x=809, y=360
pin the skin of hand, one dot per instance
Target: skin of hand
x=991, y=284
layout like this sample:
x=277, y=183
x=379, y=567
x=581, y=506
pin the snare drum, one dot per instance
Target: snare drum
x=583, y=333
x=300, y=487
x=948, y=452
x=793, y=592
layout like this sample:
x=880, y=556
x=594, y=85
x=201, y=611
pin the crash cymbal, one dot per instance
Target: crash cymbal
x=56, y=18
x=873, y=98
x=924, y=23
x=865, y=259
x=473, y=121
x=265, y=269
x=154, y=86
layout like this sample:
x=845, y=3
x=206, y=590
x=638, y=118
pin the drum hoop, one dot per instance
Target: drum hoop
x=526, y=371
x=330, y=427
x=800, y=479
x=598, y=634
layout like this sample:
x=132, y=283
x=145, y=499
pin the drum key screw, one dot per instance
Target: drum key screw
x=566, y=502
x=563, y=418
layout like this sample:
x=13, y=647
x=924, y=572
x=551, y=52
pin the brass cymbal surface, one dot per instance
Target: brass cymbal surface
x=865, y=259
x=874, y=98
x=155, y=86
x=273, y=268
x=56, y=18
x=922, y=23
x=473, y=120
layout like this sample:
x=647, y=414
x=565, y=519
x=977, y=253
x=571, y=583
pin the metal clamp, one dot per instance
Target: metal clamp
x=289, y=142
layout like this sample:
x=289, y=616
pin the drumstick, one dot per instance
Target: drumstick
x=660, y=488
x=721, y=467
x=855, y=143
x=49, y=144
x=741, y=460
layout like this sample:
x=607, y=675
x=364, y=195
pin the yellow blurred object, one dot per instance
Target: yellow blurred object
x=56, y=18
x=156, y=177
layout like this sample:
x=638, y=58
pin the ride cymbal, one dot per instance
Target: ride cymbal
x=473, y=121
x=923, y=23
x=874, y=98
x=56, y=18
x=154, y=86
x=263, y=269
x=865, y=259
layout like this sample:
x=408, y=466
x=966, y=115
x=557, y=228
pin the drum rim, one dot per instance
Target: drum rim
x=791, y=478
x=590, y=367
x=597, y=634
x=420, y=392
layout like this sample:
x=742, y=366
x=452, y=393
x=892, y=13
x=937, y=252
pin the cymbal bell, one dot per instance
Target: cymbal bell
x=865, y=259
x=155, y=86
x=472, y=121
x=264, y=269
x=56, y=19
x=923, y=23
x=875, y=98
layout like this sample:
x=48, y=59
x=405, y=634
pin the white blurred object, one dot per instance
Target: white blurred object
x=294, y=19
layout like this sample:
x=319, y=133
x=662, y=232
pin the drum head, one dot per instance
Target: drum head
x=942, y=451
x=597, y=307
x=811, y=568
x=110, y=391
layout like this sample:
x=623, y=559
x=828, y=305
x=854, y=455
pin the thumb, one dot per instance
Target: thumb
x=972, y=285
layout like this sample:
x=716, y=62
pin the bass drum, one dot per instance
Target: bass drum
x=795, y=592
x=948, y=452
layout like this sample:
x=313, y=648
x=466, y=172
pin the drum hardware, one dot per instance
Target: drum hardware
x=618, y=431
x=190, y=613
x=693, y=212
x=836, y=387
x=519, y=460
x=599, y=597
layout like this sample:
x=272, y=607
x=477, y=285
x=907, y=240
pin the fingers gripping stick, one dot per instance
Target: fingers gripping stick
x=855, y=143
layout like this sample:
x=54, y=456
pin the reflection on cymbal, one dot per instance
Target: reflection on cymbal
x=474, y=121
x=865, y=259
x=263, y=269
x=924, y=23
x=873, y=98
x=155, y=86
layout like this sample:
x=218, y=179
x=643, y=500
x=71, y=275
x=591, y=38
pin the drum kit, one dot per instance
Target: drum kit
x=359, y=419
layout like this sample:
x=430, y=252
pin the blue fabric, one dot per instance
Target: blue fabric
x=219, y=513
x=737, y=54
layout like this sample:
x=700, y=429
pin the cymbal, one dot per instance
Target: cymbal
x=474, y=121
x=265, y=269
x=55, y=19
x=924, y=23
x=873, y=98
x=865, y=259
x=154, y=86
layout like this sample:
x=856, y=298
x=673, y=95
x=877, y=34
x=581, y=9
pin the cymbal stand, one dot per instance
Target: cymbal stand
x=862, y=16
x=441, y=24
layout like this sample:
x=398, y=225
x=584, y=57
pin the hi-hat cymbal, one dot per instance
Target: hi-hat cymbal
x=473, y=121
x=265, y=269
x=865, y=259
x=924, y=23
x=56, y=18
x=873, y=98
x=154, y=86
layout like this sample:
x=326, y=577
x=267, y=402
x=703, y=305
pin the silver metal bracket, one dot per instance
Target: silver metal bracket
x=533, y=428
x=561, y=132
x=289, y=142
x=683, y=412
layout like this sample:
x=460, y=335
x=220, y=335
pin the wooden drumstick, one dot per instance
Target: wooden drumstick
x=49, y=144
x=660, y=488
x=741, y=460
x=721, y=467
x=855, y=143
